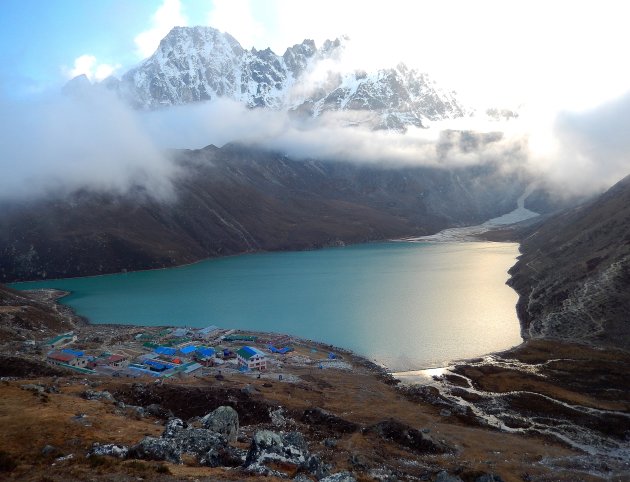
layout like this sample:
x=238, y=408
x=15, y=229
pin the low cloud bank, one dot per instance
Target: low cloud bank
x=58, y=144
x=592, y=148
x=94, y=141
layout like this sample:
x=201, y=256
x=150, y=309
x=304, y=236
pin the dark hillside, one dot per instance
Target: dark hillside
x=238, y=199
x=574, y=275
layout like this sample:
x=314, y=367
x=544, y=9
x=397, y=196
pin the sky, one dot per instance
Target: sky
x=561, y=64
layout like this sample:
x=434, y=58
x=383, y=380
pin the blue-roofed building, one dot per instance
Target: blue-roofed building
x=188, y=350
x=72, y=352
x=206, y=351
x=205, y=356
x=251, y=358
x=165, y=350
x=156, y=366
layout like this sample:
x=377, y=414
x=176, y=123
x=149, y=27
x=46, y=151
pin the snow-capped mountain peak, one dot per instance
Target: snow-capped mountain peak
x=194, y=64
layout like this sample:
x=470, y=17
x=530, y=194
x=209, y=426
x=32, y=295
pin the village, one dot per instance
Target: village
x=163, y=353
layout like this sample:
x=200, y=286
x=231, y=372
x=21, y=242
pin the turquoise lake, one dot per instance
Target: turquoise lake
x=405, y=305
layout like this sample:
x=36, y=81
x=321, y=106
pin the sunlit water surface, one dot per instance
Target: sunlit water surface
x=405, y=305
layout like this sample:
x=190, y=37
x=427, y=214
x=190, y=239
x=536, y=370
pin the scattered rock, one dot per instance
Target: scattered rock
x=111, y=450
x=445, y=412
x=82, y=419
x=157, y=411
x=223, y=420
x=315, y=466
x=302, y=478
x=278, y=418
x=331, y=443
x=135, y=411
x=383, y=474
x=50, y=450
x=489, y=478
x=249, y=389
x=96, y=395
x=64, y=458
x=339, y=477
x=408, y=437
x=359, y=461
x=444, y=476
x=33, y=388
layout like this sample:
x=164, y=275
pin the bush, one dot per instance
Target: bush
x=95, y=461
x=7, y=462
x=137, y=466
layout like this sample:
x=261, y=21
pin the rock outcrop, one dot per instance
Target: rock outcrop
x=282, y=454
x=208, y=447
x=223, y=420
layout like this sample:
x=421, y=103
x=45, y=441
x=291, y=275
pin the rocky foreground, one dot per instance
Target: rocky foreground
x=544, y=411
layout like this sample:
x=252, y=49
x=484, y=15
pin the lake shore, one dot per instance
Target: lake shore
x=541, y=409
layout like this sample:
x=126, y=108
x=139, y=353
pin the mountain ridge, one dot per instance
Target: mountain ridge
x=239, y=199
x=196, y=64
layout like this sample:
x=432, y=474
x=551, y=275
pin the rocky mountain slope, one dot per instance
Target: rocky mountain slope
x=25, y=316
x=238, y=199
x=195, y=64
x=574, y=275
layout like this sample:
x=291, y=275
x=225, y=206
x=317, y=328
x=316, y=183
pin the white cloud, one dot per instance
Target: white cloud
x=88, y=65
x=560, y=54
x=166, y=17
x=236, y=18
x=89, y=142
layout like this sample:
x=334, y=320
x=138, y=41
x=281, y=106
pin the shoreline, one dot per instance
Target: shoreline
x=54, y=295
x=469, y=233
x=546, y=393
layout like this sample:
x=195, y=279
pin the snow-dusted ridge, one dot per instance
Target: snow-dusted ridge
x=194, y=64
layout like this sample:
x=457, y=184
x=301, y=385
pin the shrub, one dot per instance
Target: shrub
x=7, y=462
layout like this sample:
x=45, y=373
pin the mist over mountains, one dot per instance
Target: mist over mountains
x=201, y=87
x=194, y=64
x=112, y=143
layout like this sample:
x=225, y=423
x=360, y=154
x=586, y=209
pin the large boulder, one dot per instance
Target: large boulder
x=177, y=440
x=199, y=441
x=277, y=454
x=223, y=420
x=154, y=448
